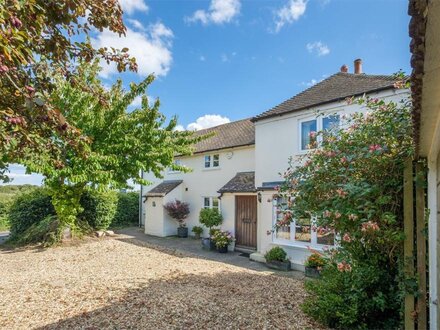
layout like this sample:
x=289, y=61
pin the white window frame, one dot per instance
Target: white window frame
x=177, y=162
x=211, y=204
x=211, y=161
x=319, y=127
x=292, y=241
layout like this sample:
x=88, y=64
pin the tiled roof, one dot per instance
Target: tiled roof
x=335, y=88
x=236, y=134
x=241, y=182
x=163, y=188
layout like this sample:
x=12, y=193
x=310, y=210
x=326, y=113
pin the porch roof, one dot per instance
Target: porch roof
x=163, y=188
x=241, y=182
x=270, y=185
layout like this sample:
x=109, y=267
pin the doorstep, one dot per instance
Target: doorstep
x=258, y=257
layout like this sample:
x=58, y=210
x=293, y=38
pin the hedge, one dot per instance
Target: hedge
x=99, y=208
x=127, y=211
x=29, y=208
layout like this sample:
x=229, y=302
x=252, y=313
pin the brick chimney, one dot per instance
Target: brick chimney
x=344, y=68
x=358, y=66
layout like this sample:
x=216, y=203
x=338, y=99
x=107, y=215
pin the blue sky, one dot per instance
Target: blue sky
x=220, y=60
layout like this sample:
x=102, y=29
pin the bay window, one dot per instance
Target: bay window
x=300, y=232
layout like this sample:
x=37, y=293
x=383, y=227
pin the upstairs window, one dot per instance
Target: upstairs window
x=212, y=161
x=177, y=162
x=309, y=127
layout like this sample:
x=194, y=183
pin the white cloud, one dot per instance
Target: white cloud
x=136, y=24
x=224, y=58
x=219, y=12
x=130, y=6
x=206, y=121
x=152, y=49
x=314, y=81
x=179, y=128
x=290, y=13
x=318, y=47
x=202, y=58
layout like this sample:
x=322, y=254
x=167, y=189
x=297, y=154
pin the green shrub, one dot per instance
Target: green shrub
x=210, y=217
x=29, y=209
x=276, y=254
x=127, y=210
x=355, y=299
x=5, y=205
x=47, y=231
x=99, y=208
x=197, y=230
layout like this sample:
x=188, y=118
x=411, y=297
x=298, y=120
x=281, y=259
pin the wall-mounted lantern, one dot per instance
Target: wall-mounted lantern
x=154, y=204
x=259, y=197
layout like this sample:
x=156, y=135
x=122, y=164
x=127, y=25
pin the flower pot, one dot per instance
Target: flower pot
x=206, y=243
x=231, y=246
x=223, y=249
x=312, y=272
x=182, y=232
x=197, y=236
x=278, y=265
x=212, y=246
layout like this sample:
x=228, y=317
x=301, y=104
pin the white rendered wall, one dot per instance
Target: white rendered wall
x=276, y=140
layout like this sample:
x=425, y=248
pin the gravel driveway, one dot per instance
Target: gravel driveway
x=127, y=284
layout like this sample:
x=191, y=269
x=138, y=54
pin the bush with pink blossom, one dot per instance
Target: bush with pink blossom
x=353, y=184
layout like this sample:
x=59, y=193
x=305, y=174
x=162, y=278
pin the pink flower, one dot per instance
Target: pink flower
x=312, y=134
x=331, y=154
x=341, y=192
x=370, y=226
x=344, y=267
x=344, y=160
x=308, y=163
x=352, y=217
x=375, y=147
x=337, y=215
x=346, y=238
x=327, y=214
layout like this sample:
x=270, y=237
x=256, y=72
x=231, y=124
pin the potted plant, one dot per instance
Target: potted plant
x=314, y=264
x=222, y=239
x=197, y=230
x=210, y=218
x=276, y=258
x=179, y=211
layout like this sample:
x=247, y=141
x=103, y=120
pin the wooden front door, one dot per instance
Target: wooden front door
x=246, y=221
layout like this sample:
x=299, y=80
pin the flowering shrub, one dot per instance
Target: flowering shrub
x=276, y=254
x=178, y=210
x=222, y=238
x=353, y=184
x=315, y=260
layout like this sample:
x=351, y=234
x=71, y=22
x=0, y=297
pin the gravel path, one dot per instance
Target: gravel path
x=109, y=283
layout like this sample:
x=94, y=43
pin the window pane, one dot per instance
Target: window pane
x=307, y=127
x=215, y=203
x=325, y=236
x=303, y=231
x=330, y=122
x=283, y=232
x=216, y=161
x=207, y=161
x=206, y=203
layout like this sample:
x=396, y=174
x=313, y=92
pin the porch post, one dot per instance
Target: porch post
x=408, y=248
x=422, y=321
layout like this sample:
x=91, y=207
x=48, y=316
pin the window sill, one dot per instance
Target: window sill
x=211, y=168
x=305, y=246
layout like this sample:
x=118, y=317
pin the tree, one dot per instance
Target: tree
x=353, y=185
x=55, y=31
x=119, y=143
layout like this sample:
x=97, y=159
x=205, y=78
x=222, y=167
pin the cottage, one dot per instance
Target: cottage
x=238, y=169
